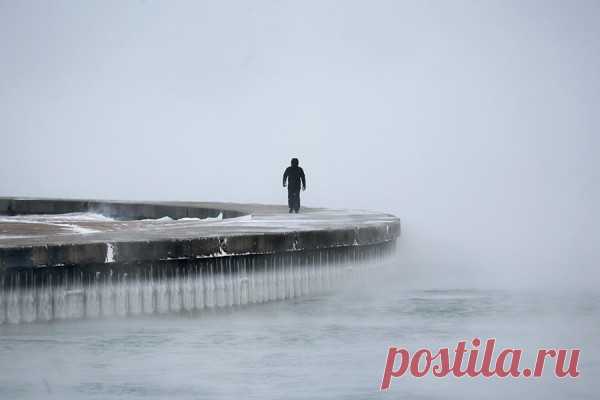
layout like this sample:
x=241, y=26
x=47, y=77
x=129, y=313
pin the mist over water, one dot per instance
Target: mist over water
x=474, y=122
x=322, y=346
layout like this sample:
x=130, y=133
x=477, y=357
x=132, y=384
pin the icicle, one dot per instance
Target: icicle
x=175, y=292
x=229, y=284
x=148, y=289
x=162, y=293
x=92, y=297
x=236, y=280
x=220, y=285
x=279, y=271
x=297, y=281
x=135, y=296
x=187, y=292
x=2, y=303
x=60, y=300
x=44, y=307
x=199, y=288
x=244, y=281
x=253, y=283
x=28, y=308
x=13, y=312
x=261, y=280
x=210, y=285
x=272, y=280
x=74, y=299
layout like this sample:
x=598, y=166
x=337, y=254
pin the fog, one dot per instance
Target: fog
x=474, y=122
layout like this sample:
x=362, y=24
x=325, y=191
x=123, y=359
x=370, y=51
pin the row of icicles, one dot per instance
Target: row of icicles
x=223, y=283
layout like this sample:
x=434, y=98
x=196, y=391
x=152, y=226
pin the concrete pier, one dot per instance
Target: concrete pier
x=64, y=259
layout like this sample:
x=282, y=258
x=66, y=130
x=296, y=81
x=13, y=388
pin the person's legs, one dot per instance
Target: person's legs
x=291, y=200
x=297, y=202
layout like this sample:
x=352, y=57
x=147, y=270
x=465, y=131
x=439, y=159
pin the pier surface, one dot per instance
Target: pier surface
x=57, y=232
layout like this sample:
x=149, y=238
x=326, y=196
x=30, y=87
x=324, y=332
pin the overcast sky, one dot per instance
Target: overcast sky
x=477, y=123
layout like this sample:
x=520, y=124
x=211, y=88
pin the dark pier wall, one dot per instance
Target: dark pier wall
x=137, y=245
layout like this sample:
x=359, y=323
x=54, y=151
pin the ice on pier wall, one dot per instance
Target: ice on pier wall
x=176, y=286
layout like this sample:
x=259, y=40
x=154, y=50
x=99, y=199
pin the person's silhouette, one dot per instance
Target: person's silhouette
x=294, y=175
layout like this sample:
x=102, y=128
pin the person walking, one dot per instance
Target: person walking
x=294, y=177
